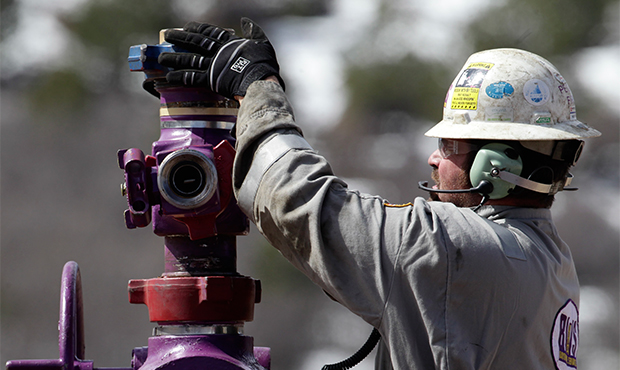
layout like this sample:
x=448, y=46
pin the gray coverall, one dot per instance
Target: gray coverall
x=447, y=287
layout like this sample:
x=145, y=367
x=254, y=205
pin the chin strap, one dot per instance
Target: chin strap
x=538, y=187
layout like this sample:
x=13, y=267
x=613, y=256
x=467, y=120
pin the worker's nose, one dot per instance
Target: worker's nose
x=434, y=158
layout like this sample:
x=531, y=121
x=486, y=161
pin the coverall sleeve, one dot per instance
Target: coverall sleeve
x=346, y=242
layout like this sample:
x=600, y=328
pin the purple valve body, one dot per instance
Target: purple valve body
x=185, y=188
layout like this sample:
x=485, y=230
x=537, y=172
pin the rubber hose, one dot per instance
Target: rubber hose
x=358, y=356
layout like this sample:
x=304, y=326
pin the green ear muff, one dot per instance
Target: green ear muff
x=491, y=159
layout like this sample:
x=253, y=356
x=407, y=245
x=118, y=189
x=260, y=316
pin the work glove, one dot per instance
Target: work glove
x=218, y=59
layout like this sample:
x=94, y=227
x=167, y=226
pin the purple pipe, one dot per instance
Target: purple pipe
x=213, y=352
x=200, y=225
x=70, y=326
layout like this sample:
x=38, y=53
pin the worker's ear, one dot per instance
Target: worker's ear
x=491, y=159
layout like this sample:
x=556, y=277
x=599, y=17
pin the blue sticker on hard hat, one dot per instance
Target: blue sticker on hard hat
x=498, y=90
x=536, y=92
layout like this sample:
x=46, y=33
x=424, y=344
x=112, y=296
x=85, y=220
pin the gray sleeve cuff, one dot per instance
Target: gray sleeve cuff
x=266, y=155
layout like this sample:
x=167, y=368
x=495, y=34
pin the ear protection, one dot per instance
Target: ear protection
x=492, y=159
x=496, y=171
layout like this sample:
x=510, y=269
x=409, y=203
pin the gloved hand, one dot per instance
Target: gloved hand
x=219, y=60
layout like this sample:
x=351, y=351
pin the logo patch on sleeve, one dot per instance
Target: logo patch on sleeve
x=240, y=64
x=565, y=337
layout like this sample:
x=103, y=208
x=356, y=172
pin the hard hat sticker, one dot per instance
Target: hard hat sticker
x=536, y=92
x=465, y=95
x=499, y=114
x=445, y=100
x=559, y=77
x=498, y=90
x=564, y=89
x=573, y=113
x=565, y=337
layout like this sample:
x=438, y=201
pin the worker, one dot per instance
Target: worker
x=476, y=277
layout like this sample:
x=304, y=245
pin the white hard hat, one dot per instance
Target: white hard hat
x=510, y=94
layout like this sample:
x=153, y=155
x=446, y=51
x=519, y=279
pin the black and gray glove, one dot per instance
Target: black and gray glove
x=219, y=60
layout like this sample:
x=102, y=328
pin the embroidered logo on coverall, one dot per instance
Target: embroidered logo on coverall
x=565, y=337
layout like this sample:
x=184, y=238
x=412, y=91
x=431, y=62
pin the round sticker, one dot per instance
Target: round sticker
x=565, y=337
x=536, y=92
x=498, y=90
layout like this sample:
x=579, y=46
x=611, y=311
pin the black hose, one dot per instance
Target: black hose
x=358, y=356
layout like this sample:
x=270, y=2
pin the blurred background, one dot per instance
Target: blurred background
x=366, y=77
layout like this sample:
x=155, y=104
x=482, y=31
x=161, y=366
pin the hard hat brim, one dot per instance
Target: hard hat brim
x=494, y=130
